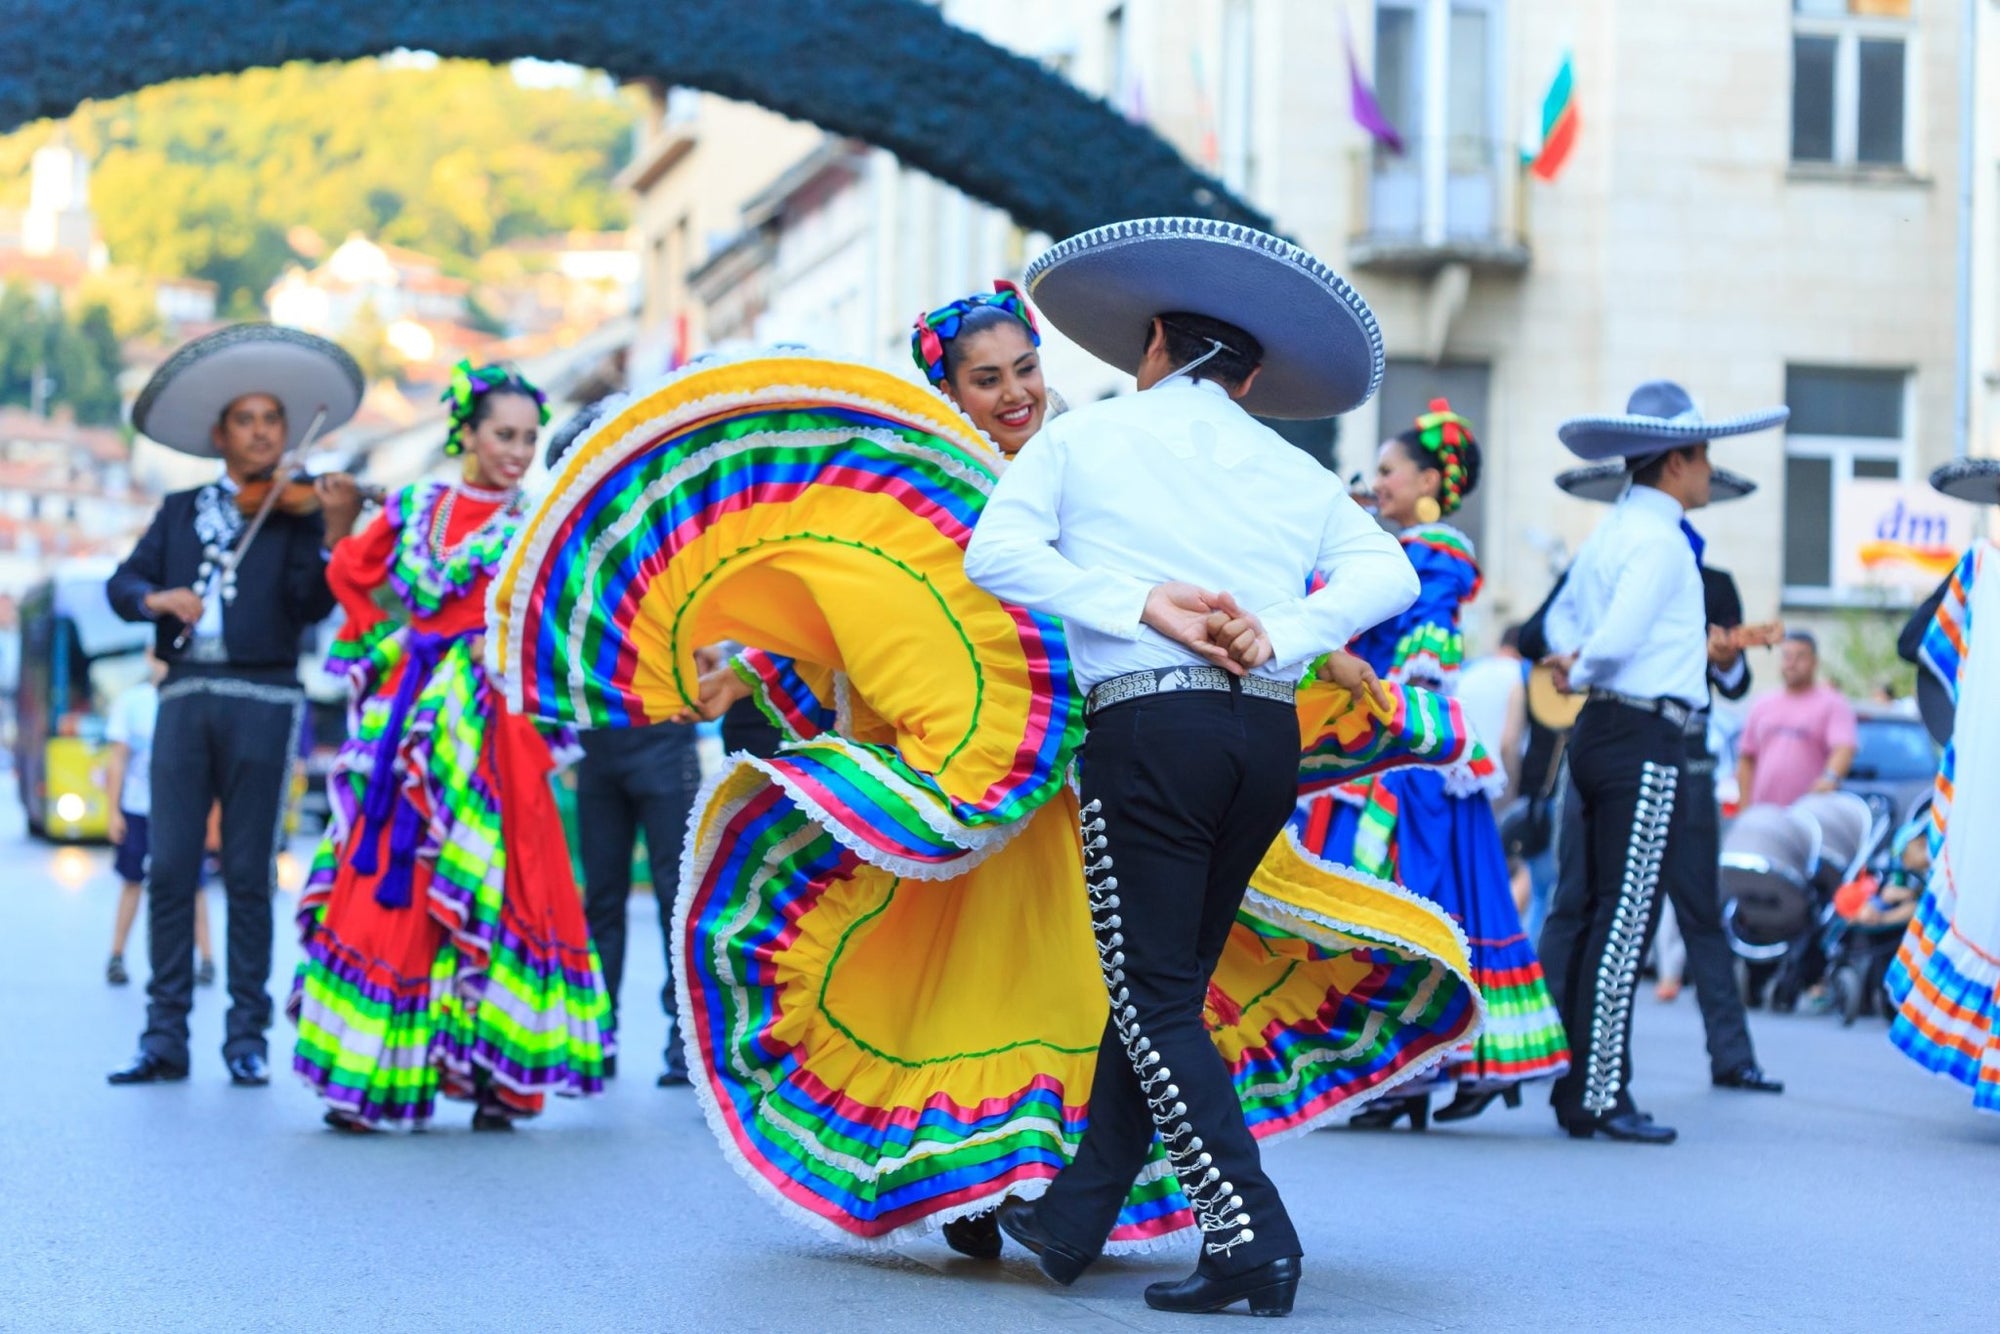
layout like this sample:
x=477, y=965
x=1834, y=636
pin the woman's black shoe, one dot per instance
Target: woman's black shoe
x=1017, y=1219
x=486, y=1118
x=1469, y=1104
x=1385, y=1114
x=346, y=1124
x=1269, y=1288
x=977, y=1236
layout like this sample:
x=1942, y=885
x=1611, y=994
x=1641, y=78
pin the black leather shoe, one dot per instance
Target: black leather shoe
x=977, y=1236
x=1017, y=1219
x=249, y=1071
x=147, y=1068
x=1750, y=1078
x=1269, y=1288
x=1628, y=1127
x=673, y=1079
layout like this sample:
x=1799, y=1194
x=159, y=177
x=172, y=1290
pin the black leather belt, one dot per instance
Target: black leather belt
x=1167, y=680
x=1679, y=712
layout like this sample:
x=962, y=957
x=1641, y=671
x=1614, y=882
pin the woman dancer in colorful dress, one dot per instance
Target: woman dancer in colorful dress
x=1946, y=978
x=445, y=942
x=883, y=942
x=1432, y=830
x=984, y=353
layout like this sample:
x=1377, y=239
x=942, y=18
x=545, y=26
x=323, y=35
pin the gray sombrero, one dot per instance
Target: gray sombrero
x=1322, y=347
x=1974, y=480
x=181, y=404
x=1658, y=417
x=1606, y=482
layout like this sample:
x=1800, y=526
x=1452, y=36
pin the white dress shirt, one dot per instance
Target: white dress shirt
x=1632, y=609
x=1179, y=483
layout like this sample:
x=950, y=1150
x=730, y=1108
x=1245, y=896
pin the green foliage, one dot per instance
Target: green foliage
x=76, y=361
x=1862, y=657
x=203, y=177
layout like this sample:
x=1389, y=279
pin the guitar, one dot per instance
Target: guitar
x=1557, y=711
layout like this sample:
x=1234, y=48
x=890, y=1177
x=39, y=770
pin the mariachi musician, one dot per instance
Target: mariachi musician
x=1632, y=628
x=233, y=573
x=1709, y=962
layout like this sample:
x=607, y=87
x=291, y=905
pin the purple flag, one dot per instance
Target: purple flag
x=1366, y=110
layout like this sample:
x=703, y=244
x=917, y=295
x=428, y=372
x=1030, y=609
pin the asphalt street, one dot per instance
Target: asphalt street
x=1866, y=1198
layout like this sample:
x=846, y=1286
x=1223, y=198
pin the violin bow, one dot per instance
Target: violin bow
x=236, y=553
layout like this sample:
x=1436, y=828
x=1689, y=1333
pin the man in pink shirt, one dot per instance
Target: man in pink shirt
x=1797, y=740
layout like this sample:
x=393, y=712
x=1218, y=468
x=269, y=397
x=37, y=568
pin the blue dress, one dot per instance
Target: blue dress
x=1433, y=831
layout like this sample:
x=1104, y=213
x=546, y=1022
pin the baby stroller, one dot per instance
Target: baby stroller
x=1780, y=868
x=1869, y=916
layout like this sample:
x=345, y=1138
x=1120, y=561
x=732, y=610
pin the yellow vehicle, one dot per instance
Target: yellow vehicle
x=76, y=656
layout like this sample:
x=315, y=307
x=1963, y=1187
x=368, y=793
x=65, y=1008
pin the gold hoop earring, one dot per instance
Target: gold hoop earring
x=1428, y=510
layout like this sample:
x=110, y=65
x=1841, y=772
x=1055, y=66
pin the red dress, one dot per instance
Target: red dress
x=446, y=946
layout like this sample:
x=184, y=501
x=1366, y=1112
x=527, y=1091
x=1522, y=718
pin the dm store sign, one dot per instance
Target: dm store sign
x=1898, y=538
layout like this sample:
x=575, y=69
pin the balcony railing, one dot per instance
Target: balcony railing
x=1442, y=202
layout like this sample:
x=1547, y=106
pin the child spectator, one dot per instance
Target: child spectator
x=130, y=783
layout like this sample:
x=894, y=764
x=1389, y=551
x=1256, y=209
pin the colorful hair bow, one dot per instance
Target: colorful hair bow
x=932, y=331
x=467, y=386
x=1445, y=436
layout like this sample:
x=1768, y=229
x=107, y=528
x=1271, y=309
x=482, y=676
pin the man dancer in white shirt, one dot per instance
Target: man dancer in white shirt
x=1176, y=536
x=1630, y=627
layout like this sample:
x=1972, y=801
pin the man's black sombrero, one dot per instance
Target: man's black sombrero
x=181, y=404
x=1322, y=348
x=1658, y=417
x=1606, y=482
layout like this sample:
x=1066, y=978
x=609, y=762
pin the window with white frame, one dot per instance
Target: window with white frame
x=1847, y=424
x=1850, y=84
x=1437, y=79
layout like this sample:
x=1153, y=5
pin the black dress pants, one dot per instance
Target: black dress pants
x=1697, y=900
x=1183, y=794
x=218, y=738
x=1640, y=838
x=642, y=778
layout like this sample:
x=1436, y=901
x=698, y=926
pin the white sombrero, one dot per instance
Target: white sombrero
x=1606, y=482
x=1658, y=417
x=1322, y=348
x=186, y=397
x=1976, y=480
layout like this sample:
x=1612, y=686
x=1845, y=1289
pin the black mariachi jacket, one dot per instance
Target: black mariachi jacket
x=281, y=589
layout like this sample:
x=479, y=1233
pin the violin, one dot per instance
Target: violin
x=296, y=497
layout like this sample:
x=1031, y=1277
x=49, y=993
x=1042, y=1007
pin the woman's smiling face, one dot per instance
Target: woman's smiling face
x=998, y=383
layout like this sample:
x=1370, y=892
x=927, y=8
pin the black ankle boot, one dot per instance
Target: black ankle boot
x=1269, y=1288
x=1017, y=1219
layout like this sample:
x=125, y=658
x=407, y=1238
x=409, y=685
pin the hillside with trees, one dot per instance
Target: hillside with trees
x=206, y=178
